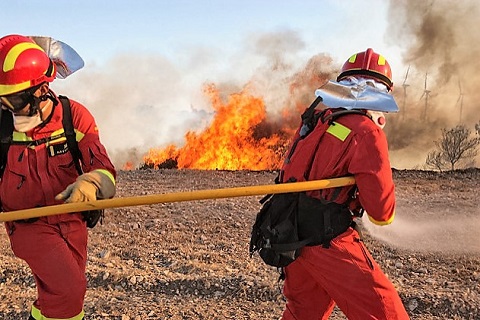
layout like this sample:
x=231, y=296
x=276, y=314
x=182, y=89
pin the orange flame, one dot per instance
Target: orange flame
x=233, y=141
x=240, y=136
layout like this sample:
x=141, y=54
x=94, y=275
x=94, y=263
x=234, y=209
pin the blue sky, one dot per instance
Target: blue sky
x=99, y=30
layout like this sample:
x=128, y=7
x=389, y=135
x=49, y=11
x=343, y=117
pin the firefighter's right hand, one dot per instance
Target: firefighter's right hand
x=80, y=191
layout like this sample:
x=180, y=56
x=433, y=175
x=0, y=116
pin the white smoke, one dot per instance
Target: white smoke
x=141, y=101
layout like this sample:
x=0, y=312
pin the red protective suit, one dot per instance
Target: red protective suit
x=344, y=274
x=55, y=247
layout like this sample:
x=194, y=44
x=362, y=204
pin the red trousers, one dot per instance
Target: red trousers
x=344, y=274
x=57, y=255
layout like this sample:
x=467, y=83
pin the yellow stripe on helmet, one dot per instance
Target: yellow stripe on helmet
x=381, y=60
x=17, y=50
x=12, y=88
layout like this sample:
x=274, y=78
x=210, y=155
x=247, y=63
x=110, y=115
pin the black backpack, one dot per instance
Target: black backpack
x=6, y=129
x=287, y=222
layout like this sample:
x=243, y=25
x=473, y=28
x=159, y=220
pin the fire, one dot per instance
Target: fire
x=241, y=136
x=128, y=166
x=238, y=138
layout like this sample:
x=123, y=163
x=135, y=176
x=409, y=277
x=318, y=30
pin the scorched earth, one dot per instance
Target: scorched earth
x=189, y=260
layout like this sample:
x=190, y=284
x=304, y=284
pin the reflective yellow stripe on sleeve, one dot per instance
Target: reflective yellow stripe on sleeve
x=108, y=174
x=339, y=131
x=381, y=223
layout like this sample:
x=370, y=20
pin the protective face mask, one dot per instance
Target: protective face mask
x=26, y=123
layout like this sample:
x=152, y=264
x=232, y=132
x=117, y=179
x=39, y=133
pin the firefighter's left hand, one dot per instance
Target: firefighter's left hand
x=89, y=186
x=79, y=191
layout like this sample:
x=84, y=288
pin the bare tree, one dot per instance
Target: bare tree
x=455, y=145
x=436, y=160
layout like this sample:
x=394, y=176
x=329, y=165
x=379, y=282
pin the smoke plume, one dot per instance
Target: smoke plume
x=440, y=49
x=148, y=101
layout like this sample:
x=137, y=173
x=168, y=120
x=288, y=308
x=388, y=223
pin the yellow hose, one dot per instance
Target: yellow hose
x=176, y=197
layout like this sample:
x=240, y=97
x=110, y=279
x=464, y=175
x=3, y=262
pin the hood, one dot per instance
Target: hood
x=356, y=94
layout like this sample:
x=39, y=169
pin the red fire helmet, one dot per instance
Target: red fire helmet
x=369, y=64
x=24, y=64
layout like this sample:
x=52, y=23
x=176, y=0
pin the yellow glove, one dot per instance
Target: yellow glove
x=88, y=187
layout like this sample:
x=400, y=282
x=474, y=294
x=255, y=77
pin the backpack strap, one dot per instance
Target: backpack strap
x=6, y=130
x=70, y=135
x=308, y=118
x=92, y=217
x=309, y=121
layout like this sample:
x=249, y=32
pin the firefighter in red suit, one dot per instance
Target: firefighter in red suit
x=41, y=174
x=354, y=144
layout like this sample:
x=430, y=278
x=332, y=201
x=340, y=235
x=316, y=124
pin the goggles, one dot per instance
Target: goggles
x=17, y=101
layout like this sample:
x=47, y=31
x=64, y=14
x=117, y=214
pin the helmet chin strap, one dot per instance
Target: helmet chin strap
x=35, y=103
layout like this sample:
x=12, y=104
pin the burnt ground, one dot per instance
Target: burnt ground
x=189, y=260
